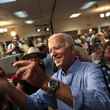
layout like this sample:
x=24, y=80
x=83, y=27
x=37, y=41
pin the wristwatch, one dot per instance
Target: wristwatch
x=53, y=86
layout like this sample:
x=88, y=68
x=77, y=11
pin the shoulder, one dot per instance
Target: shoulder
x=89, y=64
x=90, y=67
x=92, y=73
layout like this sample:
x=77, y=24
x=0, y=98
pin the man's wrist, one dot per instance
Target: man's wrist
x=45, y=83
x=51, y=86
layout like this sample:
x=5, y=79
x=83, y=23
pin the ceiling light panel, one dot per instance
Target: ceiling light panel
x=21, y=14
x=6, y=1
x=29, y=21
x=88, y=5
x=75, y=15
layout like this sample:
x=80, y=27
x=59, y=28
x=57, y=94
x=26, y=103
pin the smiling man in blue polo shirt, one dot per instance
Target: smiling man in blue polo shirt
x=76, y=85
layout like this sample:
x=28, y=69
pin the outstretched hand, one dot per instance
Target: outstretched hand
x=31, y=71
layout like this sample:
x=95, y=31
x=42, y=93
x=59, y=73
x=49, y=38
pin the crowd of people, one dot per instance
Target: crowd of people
x=80, y=80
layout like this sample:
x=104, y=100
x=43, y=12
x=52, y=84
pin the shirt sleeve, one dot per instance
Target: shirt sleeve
x=40, y=101
x=94, y=95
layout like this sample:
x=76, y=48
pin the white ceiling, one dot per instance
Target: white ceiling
x=41, y=11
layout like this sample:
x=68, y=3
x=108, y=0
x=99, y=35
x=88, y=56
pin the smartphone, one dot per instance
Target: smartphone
x=6, y=63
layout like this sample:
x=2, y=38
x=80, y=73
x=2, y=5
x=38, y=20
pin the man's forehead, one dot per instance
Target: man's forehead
x=56, y=42
x=56, y=38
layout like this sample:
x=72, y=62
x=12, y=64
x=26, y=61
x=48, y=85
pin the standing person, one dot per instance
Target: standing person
x=76, y=85
x=15, y=46
x=31, y=47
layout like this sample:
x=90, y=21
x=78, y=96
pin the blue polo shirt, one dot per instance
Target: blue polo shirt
x=87, y=86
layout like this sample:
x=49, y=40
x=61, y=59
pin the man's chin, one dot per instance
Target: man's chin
x=58, y=65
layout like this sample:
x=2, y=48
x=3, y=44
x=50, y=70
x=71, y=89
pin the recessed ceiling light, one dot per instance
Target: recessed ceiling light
x=75, y=15
x=47, y=29
x=88, y=5
x=107, y=14
x=38, y=30
x=6, y=1
x=29, y=21
x=13, y=33
x=102, y=15
x=90, y=30
x=21, y=14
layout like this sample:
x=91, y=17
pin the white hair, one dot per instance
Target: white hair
x=68, y=40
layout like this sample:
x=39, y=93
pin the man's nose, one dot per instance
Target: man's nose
x=53, y=53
